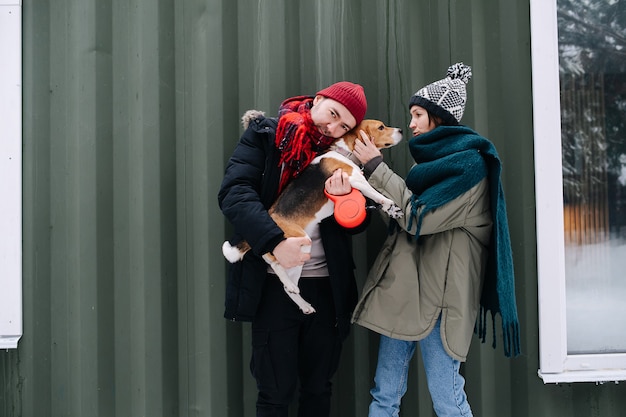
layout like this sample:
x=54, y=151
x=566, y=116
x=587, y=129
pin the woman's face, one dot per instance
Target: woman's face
x=420, y=122
x=331, y=117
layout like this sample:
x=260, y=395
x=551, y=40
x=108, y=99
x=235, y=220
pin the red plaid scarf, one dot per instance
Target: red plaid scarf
x=297, y=137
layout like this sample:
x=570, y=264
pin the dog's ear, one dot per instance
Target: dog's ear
x=354, y=133
x=371, y=128
x=367, y=128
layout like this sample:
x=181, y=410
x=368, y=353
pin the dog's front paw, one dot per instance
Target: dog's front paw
x=392, y=210
x=396, y=212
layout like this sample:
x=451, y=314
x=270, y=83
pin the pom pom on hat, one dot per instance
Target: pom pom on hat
x=350, y=95
x=446, y=98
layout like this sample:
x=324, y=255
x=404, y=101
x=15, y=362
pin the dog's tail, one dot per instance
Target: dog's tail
x=235, y=253
x=249, y=116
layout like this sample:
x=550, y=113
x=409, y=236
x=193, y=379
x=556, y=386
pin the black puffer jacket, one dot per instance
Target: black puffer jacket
x=248, y=189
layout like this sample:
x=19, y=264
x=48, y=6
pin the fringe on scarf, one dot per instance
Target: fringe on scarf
x=510, y=333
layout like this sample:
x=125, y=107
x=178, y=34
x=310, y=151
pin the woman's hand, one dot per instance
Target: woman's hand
x=364, y=149
x=338, y=183
x=293, y=251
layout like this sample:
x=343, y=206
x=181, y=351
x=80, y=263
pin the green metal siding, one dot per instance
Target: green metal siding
x=131, y=109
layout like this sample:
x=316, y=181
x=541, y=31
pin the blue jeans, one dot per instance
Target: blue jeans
x=445, y=383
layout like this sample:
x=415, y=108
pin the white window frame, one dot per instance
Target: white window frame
x=10, y=173
x=555, y=366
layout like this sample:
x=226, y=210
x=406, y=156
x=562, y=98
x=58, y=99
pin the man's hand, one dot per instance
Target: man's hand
x=364, y=149
x=293, y=251
x=338, y=183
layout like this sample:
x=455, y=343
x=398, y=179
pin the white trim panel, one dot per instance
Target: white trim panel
x=10, y=174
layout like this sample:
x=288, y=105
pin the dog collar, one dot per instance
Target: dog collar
x=347, y=154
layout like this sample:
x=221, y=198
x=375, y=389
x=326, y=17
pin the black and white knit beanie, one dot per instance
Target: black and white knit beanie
x=445, y=98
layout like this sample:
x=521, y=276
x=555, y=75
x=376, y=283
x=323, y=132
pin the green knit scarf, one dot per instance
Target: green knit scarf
x=451, y=160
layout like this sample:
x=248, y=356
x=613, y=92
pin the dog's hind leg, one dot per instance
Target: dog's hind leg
x=290, y=278
x=304, y=306
x=293, y=277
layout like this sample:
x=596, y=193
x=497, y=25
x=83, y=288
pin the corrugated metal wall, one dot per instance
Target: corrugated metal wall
x=131, y=109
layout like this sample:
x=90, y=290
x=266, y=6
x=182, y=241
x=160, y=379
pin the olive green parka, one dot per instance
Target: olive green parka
x=412, y=282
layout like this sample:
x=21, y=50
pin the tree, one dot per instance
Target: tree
x=592, y=64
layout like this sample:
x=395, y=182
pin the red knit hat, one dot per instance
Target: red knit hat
x=350, y=95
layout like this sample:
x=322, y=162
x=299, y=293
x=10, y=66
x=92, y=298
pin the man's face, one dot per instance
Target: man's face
x=331, y=117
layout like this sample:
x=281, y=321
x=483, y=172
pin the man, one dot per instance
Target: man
x=287, y=345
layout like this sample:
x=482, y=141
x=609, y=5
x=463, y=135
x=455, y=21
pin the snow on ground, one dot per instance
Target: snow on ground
x=596, y=297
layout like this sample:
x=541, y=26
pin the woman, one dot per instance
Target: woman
x=445, y=260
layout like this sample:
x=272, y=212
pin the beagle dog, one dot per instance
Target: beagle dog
x=303, y=202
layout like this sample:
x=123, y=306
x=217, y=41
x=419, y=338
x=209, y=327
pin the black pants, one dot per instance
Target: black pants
x=290, y=347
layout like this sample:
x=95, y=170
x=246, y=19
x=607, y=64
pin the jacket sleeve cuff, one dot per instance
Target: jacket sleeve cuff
x=271, y=245
x=371, y=165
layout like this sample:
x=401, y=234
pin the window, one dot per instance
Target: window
x=10, y=174
x=579, y=99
